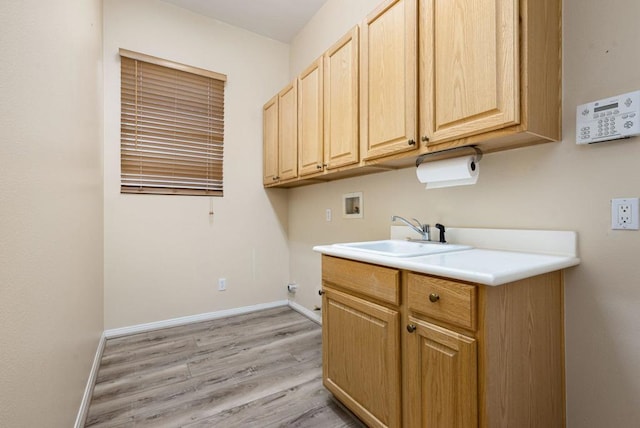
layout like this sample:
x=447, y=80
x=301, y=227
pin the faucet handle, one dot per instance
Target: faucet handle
x=423, y=227
x=442, y=230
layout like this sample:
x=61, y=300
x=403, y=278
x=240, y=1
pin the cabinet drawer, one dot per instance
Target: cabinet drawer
x=369, y=280
x=444, y=300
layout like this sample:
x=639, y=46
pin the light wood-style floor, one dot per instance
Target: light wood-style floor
x=261, y=369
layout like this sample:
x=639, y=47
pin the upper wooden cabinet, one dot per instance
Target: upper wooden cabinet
x=430, y=75
x=489, y=73
x=341, y=130
x=469, y=77
x=280, y=128
x=388, y=80
x=310, y=120
x=288, y=132
x=270, y=141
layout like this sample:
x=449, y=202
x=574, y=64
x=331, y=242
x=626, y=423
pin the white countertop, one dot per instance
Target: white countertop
x=480, y=265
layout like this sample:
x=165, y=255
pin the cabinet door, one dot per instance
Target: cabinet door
x=389, y=72
x=469, y=68
x=341, y=129
x=310, y=126
x=441, y=377
x=361, y=357
x=288, y=132
x=270, y=141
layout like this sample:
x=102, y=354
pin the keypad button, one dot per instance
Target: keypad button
x=624, y=116
x=632, y=115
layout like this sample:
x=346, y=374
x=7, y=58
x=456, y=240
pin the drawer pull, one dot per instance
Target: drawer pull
x=320, y=292
x=433, y=297
x=411, y=328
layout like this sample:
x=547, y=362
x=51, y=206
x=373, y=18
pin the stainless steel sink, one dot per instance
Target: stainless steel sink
x=399, y=248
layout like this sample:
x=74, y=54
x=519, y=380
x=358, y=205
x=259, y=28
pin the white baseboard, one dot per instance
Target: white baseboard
x=312, y=315
x=88, y=390
x=174, y=322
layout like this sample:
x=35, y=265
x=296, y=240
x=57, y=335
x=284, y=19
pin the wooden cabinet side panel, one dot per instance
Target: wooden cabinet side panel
x=521, y=361
x=361, y=357
x=288, y=132
x=270, y=141
x=542, y=66
x=341, y=98
x=310, y=119
x=469, y=67
x=389, y=79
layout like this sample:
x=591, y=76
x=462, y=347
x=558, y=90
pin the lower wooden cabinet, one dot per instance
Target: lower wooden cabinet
x=403, y=349
x=361, y=357
x=441, y=377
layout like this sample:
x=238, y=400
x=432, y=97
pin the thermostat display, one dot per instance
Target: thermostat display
x=608, y=119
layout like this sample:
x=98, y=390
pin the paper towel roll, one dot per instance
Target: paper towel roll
x=449, y=172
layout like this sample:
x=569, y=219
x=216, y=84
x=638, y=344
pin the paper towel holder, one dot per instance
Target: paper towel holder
x=478, y=154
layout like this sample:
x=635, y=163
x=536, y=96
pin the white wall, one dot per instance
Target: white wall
x=164, y=254
x=332, y=21
x=554, y=186
x=51, y=294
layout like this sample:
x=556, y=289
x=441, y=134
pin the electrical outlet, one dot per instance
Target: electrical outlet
x=625, y=214
x=222, y=284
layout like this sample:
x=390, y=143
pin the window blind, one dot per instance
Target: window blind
x=172, y=127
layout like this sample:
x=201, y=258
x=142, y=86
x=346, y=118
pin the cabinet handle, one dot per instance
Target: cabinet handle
x=425, y=139
x=411, y=142
x=276, y=178
x=318, y=166
x=326, y=165
x=320, y=292
x=433, y=297
x=411, y=328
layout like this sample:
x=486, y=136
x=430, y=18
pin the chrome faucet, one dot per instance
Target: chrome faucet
x=422, y=229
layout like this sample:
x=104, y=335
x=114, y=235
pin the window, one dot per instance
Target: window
x=172, y=127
